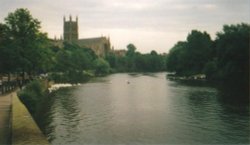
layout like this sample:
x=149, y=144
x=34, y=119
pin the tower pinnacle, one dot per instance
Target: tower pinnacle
x=70, y=29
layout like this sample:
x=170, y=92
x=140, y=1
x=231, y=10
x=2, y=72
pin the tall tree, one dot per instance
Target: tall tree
x=175, y=58
x=130, y=57
x=27, y=44
x=198, y=50
x=131, y=49
x=232, y=46
x=6, y=55
x=190, y=57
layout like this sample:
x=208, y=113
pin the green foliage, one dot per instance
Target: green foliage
x=190, y=57
x=130, y=57
x=149, y=62
x=32, y=94
x=174, y=60
x=71, y=63
x=156, y=62
x=71, y=77
x=232, y=48
x=131, y=50
x=7, y=53
x=58, y=77
x=121, y=64
x=74, y=58
x=112, y=59
x=226, y=59
x=24, y=47
x=63, y=61
x=210, y=69
x=136, y=62
x=101, y=66
x=198, y=51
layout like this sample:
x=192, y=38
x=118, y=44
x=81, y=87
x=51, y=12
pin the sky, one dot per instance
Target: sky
x=148, y=24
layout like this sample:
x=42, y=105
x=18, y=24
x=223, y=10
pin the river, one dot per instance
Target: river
x=144, y=109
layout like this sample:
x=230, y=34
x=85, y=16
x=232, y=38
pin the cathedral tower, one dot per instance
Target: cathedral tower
x=70, y=30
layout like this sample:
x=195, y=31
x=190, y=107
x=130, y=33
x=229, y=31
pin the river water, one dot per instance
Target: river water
x=144, y=109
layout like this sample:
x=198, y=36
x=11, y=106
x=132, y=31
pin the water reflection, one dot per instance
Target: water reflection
x=149, y=110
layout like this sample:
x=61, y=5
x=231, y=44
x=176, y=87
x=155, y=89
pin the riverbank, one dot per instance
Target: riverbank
x=53, y=87
x=198, y=77
x=24, y=128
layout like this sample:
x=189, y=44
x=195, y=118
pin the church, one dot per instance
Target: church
x=100, y=45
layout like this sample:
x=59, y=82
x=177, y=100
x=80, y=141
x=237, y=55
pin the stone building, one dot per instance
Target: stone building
x=100, y=45
x=121, y=52
x=70, y=30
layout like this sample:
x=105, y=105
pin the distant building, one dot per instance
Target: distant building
x=100, y=45
x=121, y=52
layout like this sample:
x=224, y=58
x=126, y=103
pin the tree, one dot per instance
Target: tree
x=101, y=66
x=131, y=50
x=130, y=57
x=199, y=50
x=232, y=47
x=211, y=69
x=63, y=63
x=176, y=58
x=156, y=62
x=7, y=55
x=190, y=57
x=25, y=43
x=140, y=62
x=74, y=58
x=112, y=59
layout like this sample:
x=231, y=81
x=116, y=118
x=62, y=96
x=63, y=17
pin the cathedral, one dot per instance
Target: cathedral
x=100, y=45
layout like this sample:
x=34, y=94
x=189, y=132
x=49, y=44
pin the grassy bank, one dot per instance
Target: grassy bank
x=24, y=129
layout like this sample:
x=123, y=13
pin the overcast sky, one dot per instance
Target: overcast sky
x=148, y=24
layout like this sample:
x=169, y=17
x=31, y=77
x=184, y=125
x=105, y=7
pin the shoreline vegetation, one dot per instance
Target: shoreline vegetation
x=55, y=87
x=197, y=77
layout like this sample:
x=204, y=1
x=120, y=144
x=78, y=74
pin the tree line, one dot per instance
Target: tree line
x=225, y=59
x=134, y=61
x=25, y=49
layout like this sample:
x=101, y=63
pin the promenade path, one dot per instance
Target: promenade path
x=5, y=121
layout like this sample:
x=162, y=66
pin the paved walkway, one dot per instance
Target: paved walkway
x=5, y=111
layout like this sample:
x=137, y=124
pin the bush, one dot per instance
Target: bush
x=77, y=77
x=101, y=66
x=58, y=77
x=32, y=94
x=71, y=77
